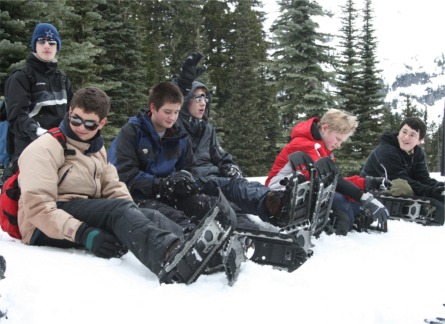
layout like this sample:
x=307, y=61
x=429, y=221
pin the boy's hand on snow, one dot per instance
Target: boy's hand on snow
x=102, y=244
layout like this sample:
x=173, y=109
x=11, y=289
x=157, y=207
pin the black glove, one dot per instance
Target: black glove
x=180, y=184
x=101, y=243
x=32, y=131
x=440, y=184
x=189, y=72
x=231, y=171
x=376, y=208
x=438, y=193
x=377, y=183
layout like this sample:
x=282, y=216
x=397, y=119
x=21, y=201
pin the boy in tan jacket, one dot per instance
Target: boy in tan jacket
x=72, y=197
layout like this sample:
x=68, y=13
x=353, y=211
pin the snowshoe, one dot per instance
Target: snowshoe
x=299, y=193
x=233, y=254
x=412, y=209
x=325, y=182
x=192, y=256
x=280, y=250
x=299, y=188
x=364, y=222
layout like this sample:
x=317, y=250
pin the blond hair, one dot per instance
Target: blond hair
x=339, y=121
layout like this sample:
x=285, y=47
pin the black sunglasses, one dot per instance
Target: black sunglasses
x=42, y=41
x=90, y=125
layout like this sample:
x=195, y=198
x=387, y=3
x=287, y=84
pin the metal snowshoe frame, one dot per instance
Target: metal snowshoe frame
x=301, y=197
x=280, y=250
x=312, y=199
x=200, y=245
x=300, y=208
x=324, y=185
x=412, y=209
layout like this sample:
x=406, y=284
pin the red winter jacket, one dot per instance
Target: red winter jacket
x=305, y=137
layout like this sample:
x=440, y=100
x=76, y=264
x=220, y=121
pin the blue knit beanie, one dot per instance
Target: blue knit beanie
x=48, y=31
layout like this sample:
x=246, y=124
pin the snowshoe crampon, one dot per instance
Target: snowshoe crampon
x=192, y=256
x=279, y=250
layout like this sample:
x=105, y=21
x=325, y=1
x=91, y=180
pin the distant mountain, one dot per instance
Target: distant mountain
x=424, y=83
x=411, y=63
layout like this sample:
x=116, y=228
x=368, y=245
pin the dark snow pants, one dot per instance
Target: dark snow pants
x=248, y=196
x=145, y=232
x=176, y=215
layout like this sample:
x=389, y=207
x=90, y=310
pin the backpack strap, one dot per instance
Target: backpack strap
x=30, y=75
x=61, y=138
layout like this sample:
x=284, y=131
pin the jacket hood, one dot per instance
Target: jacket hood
x=390, y=138
x=303, y=129
x=184, y=109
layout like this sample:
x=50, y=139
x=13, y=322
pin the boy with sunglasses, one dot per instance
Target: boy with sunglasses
x=72, y=197
x=215, y=167
x=37, y=96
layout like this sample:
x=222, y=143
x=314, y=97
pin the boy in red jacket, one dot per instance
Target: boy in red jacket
x=319, y=138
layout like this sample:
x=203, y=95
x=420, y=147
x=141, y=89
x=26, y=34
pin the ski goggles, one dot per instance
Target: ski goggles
x=89, y=125
x=50, y=41
x=201, y=97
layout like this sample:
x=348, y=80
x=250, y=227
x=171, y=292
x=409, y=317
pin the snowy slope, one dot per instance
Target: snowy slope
x=396, y=277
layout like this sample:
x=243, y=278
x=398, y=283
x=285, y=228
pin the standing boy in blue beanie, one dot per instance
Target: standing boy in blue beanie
x=38, y=95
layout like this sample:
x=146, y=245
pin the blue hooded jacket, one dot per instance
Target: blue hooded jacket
x=142, y=157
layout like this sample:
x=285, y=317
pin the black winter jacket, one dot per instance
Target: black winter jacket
x=209, y=155
x=400, y=165
x=39, y=101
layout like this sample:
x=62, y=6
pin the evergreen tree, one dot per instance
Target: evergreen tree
x=218, y=25
x=371, y=110
x=348, y=66
x=348, y=77
x=245, y=134
x=172, y=30
x=298, y=56
x=121, y=65
x=82, y=45
x=409, y=110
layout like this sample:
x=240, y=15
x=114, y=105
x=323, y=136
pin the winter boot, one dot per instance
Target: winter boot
x=275, y=203
x=362, y=222
x=340, y=222
x=186, y=263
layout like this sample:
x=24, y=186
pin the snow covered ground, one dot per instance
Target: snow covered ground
x=395, y=277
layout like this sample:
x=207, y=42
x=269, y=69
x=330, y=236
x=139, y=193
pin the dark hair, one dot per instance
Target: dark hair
x=415, y=123
x=164, y=92
x=92, y=100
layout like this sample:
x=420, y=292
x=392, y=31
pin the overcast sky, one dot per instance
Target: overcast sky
x=404, y=29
